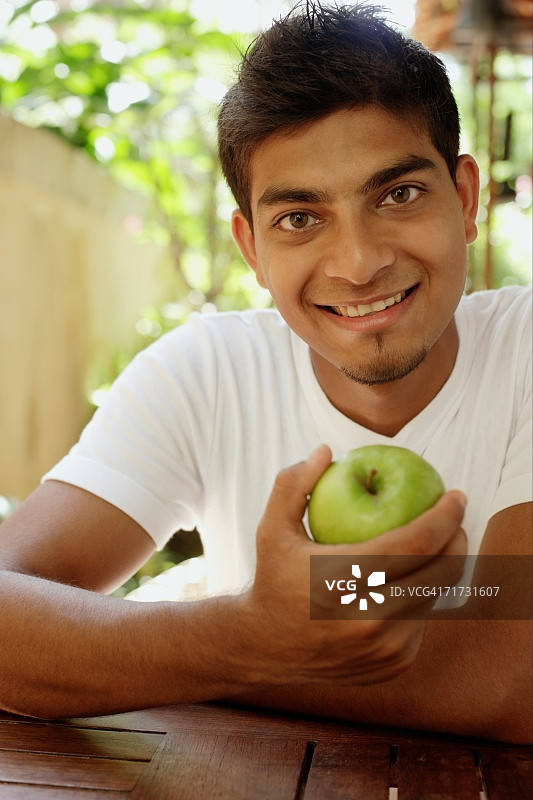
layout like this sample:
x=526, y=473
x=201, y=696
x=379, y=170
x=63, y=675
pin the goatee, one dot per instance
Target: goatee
x=385, y=368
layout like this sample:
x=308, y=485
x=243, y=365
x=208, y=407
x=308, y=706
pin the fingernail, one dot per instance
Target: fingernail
x=313, y=455
x=461, y=497
x=317, y=453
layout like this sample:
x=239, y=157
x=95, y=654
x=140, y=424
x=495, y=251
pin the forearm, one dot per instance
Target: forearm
x=470, y=678
x=70, y=652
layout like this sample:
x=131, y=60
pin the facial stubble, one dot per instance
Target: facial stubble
x=384, y=367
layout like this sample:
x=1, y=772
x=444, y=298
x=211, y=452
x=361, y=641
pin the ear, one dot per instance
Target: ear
x=467, y=181
x=243, y=235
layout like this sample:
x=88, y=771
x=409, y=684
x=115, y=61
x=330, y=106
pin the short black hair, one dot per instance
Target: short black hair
x=320, y=59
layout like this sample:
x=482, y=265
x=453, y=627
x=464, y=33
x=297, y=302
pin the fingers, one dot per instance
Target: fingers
x=434, y=555
x=427, y=535
x=288, y=499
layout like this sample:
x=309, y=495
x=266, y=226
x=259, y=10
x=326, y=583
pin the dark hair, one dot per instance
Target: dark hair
x=318, y=60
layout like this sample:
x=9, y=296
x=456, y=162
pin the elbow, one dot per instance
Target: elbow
x=34, y=702
x=21, y=705
x=27, y=711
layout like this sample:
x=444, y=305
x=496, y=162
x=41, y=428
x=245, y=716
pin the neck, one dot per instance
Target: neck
x=387, y=408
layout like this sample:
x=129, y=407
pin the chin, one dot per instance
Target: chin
x=382, y=371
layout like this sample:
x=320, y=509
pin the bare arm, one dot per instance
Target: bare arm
x=67, y=650
x=470, y=677
x=68, y=535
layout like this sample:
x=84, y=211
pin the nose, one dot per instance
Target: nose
x=357, y=249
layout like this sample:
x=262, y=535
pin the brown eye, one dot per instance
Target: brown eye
x=299, y=219
x=401, y=195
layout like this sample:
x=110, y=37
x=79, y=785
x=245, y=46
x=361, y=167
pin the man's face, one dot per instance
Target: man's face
x=360, y=235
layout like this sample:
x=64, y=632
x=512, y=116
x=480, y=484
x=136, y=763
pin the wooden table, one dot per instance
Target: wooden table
x=215, y=752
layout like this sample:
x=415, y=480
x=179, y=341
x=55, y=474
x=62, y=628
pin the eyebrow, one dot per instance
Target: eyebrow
x=275, y=195
x=287, y=194
x=395, y=171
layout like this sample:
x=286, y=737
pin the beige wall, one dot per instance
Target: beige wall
x=72, y=285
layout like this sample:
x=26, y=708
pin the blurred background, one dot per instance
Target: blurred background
x=114, y=218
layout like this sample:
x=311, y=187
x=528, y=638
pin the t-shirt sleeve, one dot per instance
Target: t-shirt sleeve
x=145, y=447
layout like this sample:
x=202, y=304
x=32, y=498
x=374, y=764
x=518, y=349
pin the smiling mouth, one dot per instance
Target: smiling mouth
x=361, y=310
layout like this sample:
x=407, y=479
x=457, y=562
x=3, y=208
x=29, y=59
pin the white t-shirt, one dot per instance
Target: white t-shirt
x=196, y=428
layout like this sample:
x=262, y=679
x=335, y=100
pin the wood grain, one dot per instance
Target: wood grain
x=62, y=740
x=342, y=771
x=437, y=773
x=25, y=791
x=221, y=752
x=54, y=770
x=508, y=773
x=218, y=767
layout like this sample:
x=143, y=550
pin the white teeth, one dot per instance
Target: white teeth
x=363, y=309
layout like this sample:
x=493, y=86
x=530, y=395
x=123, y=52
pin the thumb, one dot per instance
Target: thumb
x=288, y=499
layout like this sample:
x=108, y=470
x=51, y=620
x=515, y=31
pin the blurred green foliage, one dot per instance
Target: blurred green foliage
x=136, y=86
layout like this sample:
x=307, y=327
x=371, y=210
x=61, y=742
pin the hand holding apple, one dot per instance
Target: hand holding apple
x=371, y=490
x=286, y=646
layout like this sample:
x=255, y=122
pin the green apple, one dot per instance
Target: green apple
x=369, y=491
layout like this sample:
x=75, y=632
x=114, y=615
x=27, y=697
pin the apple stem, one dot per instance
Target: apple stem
x=371, y=489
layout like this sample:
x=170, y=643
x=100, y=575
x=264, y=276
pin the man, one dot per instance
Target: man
x=340, y=143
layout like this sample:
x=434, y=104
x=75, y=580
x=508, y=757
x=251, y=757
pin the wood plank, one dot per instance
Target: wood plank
x=508, y=774
x=349, y=772
x=213, y=767
x=23, y=791
x=437, y=773
x=89, y=773
x=60, y=739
